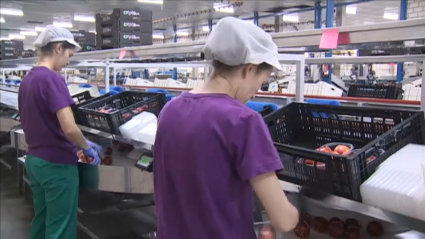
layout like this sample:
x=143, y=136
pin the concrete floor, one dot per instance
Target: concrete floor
x=15, y=212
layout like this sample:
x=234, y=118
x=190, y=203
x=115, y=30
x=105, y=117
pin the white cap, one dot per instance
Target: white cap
x=236, y=42
x=55, y=34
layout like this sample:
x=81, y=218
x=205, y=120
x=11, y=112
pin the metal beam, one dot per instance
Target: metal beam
x=366, y=59
x=406, y=30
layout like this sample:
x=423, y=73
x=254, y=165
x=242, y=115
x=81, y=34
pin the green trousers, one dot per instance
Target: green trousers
x=55, y=196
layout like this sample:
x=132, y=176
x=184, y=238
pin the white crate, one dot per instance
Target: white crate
x=411, y=92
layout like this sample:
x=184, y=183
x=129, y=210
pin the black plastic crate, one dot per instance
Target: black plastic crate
x=267, y=110
x=82, y=99
x=375, y=91
x=298, y=129
x=127, y=105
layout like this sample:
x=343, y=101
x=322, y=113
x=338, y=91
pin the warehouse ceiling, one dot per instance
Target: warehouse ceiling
x=39, y=13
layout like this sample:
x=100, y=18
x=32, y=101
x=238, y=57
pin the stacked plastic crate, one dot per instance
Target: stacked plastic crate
x=124, y=28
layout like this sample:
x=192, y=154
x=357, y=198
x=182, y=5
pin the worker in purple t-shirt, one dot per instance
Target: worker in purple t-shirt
x=212, y=151
x=52, y=137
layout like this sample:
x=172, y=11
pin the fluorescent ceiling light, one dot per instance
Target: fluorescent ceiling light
x=93, y=31
x=151, y=1
x=291, y=18
x=63, y=24
x=157, y=36
x=28, y=33
x=2, y=20
x=206, y=28
x=39, y=29
x=84, y=18
x=11, y=11
x=351, y=10
x=4, y=39
x=182, y=33
x=16, y=36
x=391, y=16
x=226, y=8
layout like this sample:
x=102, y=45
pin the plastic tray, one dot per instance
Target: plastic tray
x=127, y=103
x=298, y=129
x=375, y=91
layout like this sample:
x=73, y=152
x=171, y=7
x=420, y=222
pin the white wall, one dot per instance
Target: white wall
x=416, y=9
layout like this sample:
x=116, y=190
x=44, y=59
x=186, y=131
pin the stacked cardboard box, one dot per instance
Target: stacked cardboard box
x=10, y=49
x=124, y=28
x=87, y=40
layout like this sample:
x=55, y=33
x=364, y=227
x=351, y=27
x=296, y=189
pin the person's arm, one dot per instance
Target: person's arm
x=257, y=161
x=282, y=214
x=59, y=100
x=70, y=128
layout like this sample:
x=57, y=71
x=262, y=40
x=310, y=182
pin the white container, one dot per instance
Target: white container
x=132, y=128
x=398, y=185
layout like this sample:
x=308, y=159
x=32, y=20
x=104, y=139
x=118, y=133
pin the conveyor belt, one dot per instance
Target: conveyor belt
x=9, y=97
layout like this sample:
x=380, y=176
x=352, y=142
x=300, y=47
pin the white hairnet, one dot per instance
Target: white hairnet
x=55, y=34
x=235, y=42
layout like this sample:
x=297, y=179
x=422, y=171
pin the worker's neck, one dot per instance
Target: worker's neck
x=47, y=62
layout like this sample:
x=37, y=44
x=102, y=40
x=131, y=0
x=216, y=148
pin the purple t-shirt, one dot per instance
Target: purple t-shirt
x=41, y=94
x=207, y=148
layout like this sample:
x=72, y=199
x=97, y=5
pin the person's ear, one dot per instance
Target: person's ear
x=59, y=48
x=247, y=70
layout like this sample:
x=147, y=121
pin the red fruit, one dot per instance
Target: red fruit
x=324, y=149
x=122, y=147
x=107, y=160
x=336, y=229
x=375, y=229
x=353, y=233
x=320, y=224
x=89, y=159
x=305, y=217
x=351, y=222
x=336, y=219
x=108, y=151
x=268, y=233
x=341, y=149
x=302, y=230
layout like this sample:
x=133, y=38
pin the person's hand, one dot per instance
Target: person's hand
x=95, y=146
x=92, y=156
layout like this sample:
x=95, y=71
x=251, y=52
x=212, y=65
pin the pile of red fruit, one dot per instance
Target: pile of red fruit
x=335, y=227
x=122, y=147
x=107, y=160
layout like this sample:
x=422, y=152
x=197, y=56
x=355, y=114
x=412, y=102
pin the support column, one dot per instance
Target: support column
x=402, y=17
x=277, y=21
x=174, y=76
x=256, y=22
x=317, y=15
x=210, y=24
x=193, y=33
x=340, y=17
x=329, y=24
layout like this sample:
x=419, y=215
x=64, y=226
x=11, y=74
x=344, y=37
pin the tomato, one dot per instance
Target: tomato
x=108, y=151
x=107, y=160
x=122, y=147
x=309, y=162
x=268, y=233
x=325, y=149
x=341, y=149
x=89, y=159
